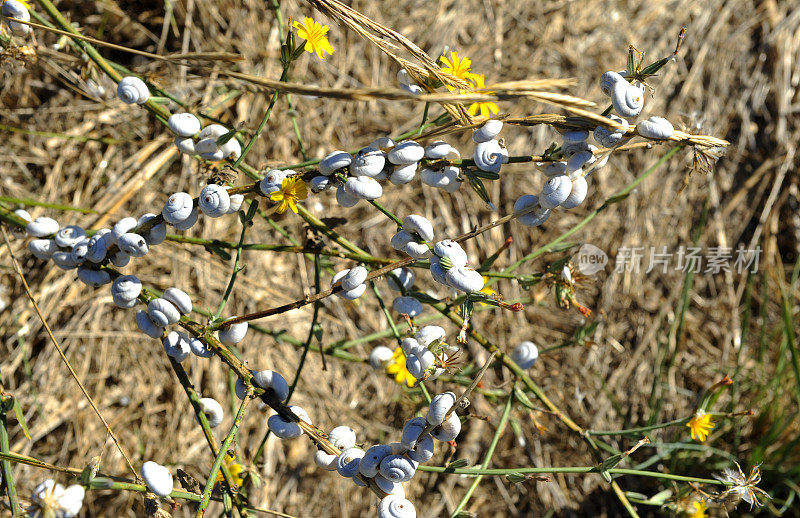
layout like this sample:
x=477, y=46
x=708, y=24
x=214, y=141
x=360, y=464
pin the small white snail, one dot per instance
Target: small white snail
x=439, y=407
x=214, y=200
x=178, y=208
x=576, y=163
x=207, y=146
x=162, y=312
x=284, y=429
x=369, y=161
x=42, y=226
x=64, y=260
x=334, y=161
x=410, y=346
x=419, y=225
x=406, y=152
x=185, y=145
x=343, y=437
x=488, y=156
x=552, y=168
x=411, y=432
x=379, y=356
x=578, y=193
x=326, y=461
x=363, y=187
x=387, y=486
x=176, y=345
x=573, y=136
x=608, y=80
x=157, y=477
x=627, y=99
x=429, y=334
x=448, y=430
x=451, y=250
x=122, y=226
x=464, y=279
x=93, y=278
x=407, y=306
x=188, y=222
x=233, y=334
x=98, y=246
x=236, y=203
x=54, y=498
x=179, y=299
x=15, y=9
x=555, y=191
x=69, y=236
x=655, y=128
x=125, y=290
x=348, y=294
x=272, y=181
x=133, y=244
x=440, y=149
x=267, y=379
x=199, y=348
x=488, y=131
x=23, y=214
x=320, y=183
x=611, y=137
x=446, y=179
x=382, y=143
x=42, y=248
x=405, y=276
x=354, y=278
x=406, y=242
x=404, y=173
x=371, y=461
x=347, y=463
x=418, y=362
x=120, y=259
x=79, y=251
x=345, y=199
x=132, y=90
x=213, y=410
x=397, y=468
x=570, y=148
x=395, y=506
x=184, y=124
x=157, y=234
x=533, y=218
x=423, y=451
x=525, y=354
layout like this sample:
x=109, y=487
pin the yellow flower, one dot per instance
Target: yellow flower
x=292, y=190
x=26, y=3
x=315, y=35
x=235, y=468
x=700, y=426
x=458, y=67
x=486, y=108
x=699, y=510
x=486, y=290
x=397, y=368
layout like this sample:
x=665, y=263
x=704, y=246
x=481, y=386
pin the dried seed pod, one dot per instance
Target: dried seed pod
x=179, y=298
x=343, y=437
x=184, y=124
x=397, y=468
x=407, y=306
x=41, y=226
x=157, y=478
x=132, y=90
x=233, y=334
x=525, y=354
x=439, y=407
x=488, y=131
x=347, y=463
x=395, y=506
x=334, y=161
x=214, y=200
x=534, y=218
x=213, y=410
x=178, y=208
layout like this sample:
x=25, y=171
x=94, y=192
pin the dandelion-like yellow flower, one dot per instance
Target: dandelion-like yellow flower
x=292, y=190
x=486, y=290
x=699, y=510
x=397, y=368
x=26, y=3
x=235, y=468
x=459, y=67
x=315, y=35
x=700, y=426
x=486, y=108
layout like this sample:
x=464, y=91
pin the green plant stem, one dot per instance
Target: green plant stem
x=264, y=120
x=236, y=269
x=5, y=468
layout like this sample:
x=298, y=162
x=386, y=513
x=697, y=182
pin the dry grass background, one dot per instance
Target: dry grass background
x=737, y=78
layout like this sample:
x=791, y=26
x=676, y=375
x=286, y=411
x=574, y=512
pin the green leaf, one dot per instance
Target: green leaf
x=423, y=297
x=520, y=396
x=463, y=514
x=459, y=463
x=477, y=185
x=652, y=68
x=21, y=419
x=221, y=141
x=631, y=67
x=516, y=478
x=214, y=249
x=466, y=309
x=487, y=175
x=618, y=198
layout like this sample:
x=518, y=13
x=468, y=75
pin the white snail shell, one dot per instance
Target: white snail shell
x=411, y=432
x=402, y=174
x=405, y=276
x=397, y=468
x=448, y=430
x=120, y=259
x=69, y=236
x=575, y=135
x=207, y=146
x=406, y=152
x=396, y=506
x=464, y=279
x=577, y=161
x=157, y=234
x=488, y=131
x=178, y=208
x=320, y=183
x=93, y=278
x=418, y=362
x=50, y=495
x=326, y=461
x=371, y=461
x=363, y=187
x=272, y=181
x=343, y=437
x=213, y=410
x=437, y=272
x=655, y=128
x=446, y=179
x=429, y=334
x=627, y=99
x=525, y=354
x=15, y=9
x=24, y=214
x=163, y=312
x=552, y=168
x=236, y=203
x=284, y=429
x=416, y=250
x=423, y=451
x=184, y=124
x=440, y=149
x=231, y=149
x=64, y=260
x=176, y=345
x=534, y=218
x=185, y=145
x=555, y=191
x=348, y=294
x=179, y=299
x=214, y=200
x=157, y=477
x=42, y=248
x=608, y=80
x=122, y=226
x=334, y=161
x=98, y=246
x=347, y=463
x=418, y=225
x=578, y=193
x=407, y=306
x=369, y=161
x=452, y=251
x=125, y=290
x=610, y=137
x=488, y=156
x=268, y=379
x=570, y=148
x=387, y=486
x=188, y=222
x=354, y=278
x=401, y=239
x=133, y=244
x=379, y=356
x=410, y=346
x=439, y=407
x=345, y=199
x=233, y=334
x=132, y=90
x=200, y=349
x=382, y=143
x=79, y=251
x=146, y=324
x=42, y=226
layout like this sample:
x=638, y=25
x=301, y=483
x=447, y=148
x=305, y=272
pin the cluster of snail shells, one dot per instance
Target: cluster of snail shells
x=449, y=267
x=15, y=9
x=421, y=361
x=352, y=281
x=190, y=139
x=489, y=155
x=214, y=201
